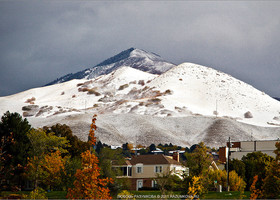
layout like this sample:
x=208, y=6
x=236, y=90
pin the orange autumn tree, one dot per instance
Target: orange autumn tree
x=88, y=185
x=255, y=193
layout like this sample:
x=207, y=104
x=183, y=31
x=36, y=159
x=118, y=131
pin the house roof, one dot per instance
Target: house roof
x=153, y=160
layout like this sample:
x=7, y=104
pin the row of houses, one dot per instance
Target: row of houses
x=142, y=170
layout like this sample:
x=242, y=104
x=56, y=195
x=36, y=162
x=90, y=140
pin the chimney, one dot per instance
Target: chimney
x=176, y=156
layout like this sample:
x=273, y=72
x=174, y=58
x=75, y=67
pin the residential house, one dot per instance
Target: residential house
x=142, y=170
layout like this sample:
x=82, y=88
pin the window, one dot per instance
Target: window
x=158, y=169
x=123, y=171
x=139, y=168
x=154, y=184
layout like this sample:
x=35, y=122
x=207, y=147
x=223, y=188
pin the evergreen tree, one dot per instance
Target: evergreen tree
x=13, y=124
x=152, y=147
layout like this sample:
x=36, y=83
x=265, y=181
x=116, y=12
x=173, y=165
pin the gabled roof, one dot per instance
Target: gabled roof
x=153, y=160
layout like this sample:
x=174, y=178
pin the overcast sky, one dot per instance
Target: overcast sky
x=44, y=40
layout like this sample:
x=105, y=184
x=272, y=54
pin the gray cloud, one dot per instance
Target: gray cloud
x=43, y=40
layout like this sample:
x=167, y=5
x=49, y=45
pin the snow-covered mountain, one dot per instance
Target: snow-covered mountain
x=186, y=104
x=135, y=58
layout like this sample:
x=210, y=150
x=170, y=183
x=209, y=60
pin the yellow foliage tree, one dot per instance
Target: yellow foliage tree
x=195, y=188
x=53, y=167
x=88, y=185
x=236, y=183
x=47, y=169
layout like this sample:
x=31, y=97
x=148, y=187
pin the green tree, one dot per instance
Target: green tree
x=256, y=163
x=277, y=151
x=99, y=146
x=199, y=160
x=13, y=123
x=193, y=147
x=42, y=144
x=71, y=167
x=76, y=146
x=238, y=166
x=107, y=157
x=6, y=169
x=271, y=183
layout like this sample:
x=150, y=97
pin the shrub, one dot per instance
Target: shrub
x=93, y=91
x=27, y=114
x=83, y=89
x=141, y=82
x=125, y=195
x=248, y=115
x=145, y=88
x=123, y=86
x=133, y=91
x=132, y=82
x=38, y=193
x=30, y=107
x=87, y=82
x=168, y=92
x=155, y=100
x=73, y=96
x=30, y=100
x=62, y=93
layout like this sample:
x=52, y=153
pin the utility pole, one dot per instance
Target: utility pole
x=229, y=145
x=216, y=107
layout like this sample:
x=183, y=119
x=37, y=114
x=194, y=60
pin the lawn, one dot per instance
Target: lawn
x=149, y=195
x=177, y=195
x=226, y=195
x=50, y=195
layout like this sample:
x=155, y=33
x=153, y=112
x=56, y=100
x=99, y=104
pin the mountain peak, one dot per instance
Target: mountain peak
x=132, y=57
x=122, y=55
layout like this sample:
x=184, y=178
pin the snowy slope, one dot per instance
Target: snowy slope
x=187, y=104
x=205, y=91
x=135, y=58
x=117, y=129
x=75, y=95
